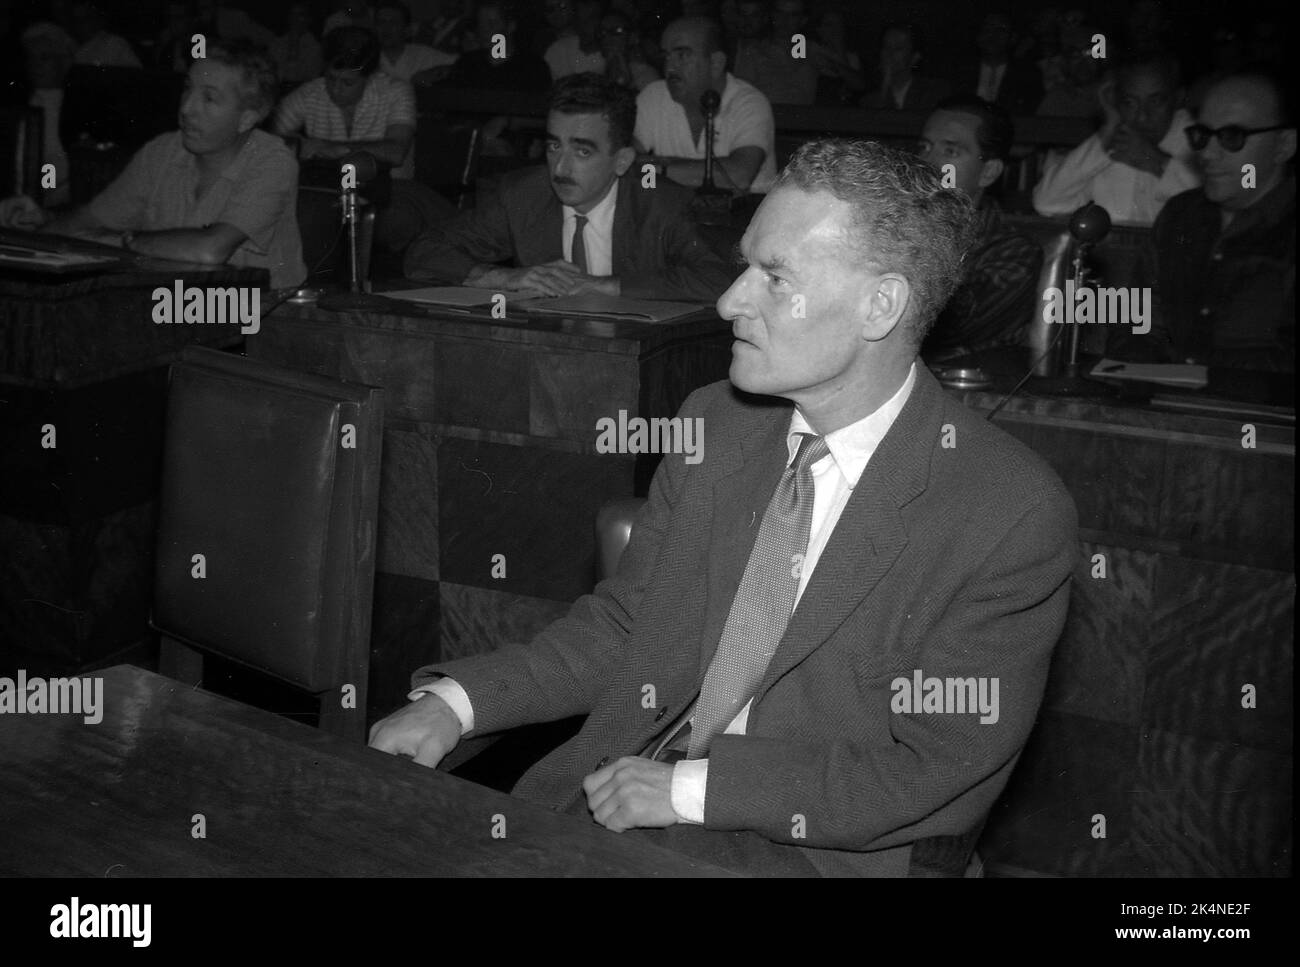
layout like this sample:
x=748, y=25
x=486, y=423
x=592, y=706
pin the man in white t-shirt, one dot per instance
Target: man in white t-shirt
x=670, y=121
x=401, y=60
x=1138, y=160
x=578, y=52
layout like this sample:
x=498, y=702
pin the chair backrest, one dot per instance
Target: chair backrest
x=613, y=531
x=1058, y=251
x=22, y=132
x=447, y=158
x=272, y=476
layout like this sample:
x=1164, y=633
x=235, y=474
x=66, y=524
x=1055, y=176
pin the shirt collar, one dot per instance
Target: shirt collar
x=852, y=446
x=602, y=216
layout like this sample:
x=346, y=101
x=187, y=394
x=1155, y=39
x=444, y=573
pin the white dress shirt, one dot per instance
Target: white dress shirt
x=598, y=236
x=834, y=477
x=991, y=76
x=1129, y=196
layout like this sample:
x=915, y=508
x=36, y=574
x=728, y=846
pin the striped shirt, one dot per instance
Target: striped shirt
x=385, y=102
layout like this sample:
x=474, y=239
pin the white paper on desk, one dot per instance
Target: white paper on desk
x=1166, y=374
x=611, y=307
x=459, y=296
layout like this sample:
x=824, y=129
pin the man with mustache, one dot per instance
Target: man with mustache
x=586, y=222
x=1222, y=256
x=670, y=122
x=849, y=527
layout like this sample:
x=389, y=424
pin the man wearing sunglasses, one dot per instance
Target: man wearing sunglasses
x=1223, y=254
x=1138, y=160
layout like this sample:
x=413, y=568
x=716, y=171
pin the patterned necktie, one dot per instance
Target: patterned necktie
x=763, y=602
x=579, y=243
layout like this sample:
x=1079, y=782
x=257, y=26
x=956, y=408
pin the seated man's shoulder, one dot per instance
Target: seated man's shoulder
x=526, y=184
x=663, y=196
x=741, y=93
x=654, y=95
x=270, y=150
x=984, y=459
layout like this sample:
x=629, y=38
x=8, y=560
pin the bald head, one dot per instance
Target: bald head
x=1248, y=101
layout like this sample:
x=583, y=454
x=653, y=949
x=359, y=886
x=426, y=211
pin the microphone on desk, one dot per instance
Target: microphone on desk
x=712, y=204
x=363, y=168
x=1088, y=226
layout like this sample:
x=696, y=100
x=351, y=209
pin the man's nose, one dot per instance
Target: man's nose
x=735, y=302
x=562, y=165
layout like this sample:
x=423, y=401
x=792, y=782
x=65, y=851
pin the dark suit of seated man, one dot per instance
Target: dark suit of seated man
x=828, y=639
x=634, y=241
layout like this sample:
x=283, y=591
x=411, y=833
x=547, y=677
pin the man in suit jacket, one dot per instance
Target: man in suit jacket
x=994, y=75
x=938, y=558
x=582, y=223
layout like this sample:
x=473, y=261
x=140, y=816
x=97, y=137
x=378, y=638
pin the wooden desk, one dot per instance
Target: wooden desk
x=119, y=799
x=489, y=449
x=1184, y=593
x=83, y=355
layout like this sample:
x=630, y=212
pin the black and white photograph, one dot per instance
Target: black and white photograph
x=640, y=439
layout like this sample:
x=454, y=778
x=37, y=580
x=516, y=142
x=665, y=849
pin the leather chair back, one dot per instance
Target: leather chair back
x=272, y=476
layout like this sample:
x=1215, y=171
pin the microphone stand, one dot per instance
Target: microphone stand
x=712, y=205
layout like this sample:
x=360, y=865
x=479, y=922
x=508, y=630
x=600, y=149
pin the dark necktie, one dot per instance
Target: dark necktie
x=579, y=244
x=764, y=601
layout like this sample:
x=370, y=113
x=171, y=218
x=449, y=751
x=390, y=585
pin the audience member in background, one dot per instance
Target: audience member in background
x=840, y=79
x=222, y=22
x=582, y=223
x=99, y=46
x=398, y=58
x=670, y=121
x=1041, y=46
x=559, y=23
x=770, y=64
x=516, y=69
x=1077, y=92
x=1222, y=256
x=1138, y=160
x=1013, y=85
x=219, y=190
x=349, y=13
x=444, y=28
x=901, y=87
x=48, y=53
x=1146, y=30
x=621, y=45
x=176, y=40
x=999, y=287
x=297, y=52
x=580, y=51
x=356, y=108
x=752, y=23
x=353, y=107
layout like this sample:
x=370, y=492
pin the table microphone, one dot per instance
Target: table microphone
x=712, y=204
x=1088, y=225
x=365, y=168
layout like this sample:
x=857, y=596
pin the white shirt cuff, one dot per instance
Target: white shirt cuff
x=690, y=778
x=450, y=692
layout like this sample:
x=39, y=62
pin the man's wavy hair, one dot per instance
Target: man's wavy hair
x=904, y=220
x=258, y=84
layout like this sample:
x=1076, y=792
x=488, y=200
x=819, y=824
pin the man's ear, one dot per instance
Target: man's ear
x=1286, y=146
x=249, y=119
x=991, y=171
x=623, y=159
x=886, y=303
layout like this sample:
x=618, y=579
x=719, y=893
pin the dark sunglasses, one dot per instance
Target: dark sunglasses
x=1232, y=137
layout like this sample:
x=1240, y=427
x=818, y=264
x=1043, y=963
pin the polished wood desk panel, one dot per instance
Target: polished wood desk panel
x=119, y=799
x=1184, y=592
x=81, y=354
x=490, y=449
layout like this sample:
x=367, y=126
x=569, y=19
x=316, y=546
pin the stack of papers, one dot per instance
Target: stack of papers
x=1166, y=374
x=611, y=307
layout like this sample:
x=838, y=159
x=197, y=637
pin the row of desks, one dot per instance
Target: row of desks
x=489, y=449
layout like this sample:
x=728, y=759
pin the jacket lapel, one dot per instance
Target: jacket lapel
x=740, y=496
x=623, y=234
